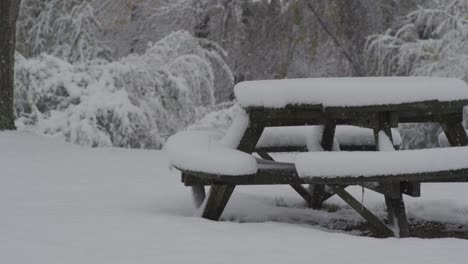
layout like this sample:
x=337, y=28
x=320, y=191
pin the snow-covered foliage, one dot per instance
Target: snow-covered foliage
x=430, y=41
x=135, y=102
x=66, y=29
x=218, y=120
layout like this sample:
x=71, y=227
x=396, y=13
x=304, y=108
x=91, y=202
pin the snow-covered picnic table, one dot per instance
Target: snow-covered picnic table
x=333, y=114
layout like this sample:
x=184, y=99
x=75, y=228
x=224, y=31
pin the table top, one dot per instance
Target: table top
x=349, y=92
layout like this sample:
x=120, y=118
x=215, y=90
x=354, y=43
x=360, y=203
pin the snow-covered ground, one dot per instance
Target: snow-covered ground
x=60, y=203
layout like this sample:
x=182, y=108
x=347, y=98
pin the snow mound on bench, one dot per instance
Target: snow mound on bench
x=356, y=164
x=356, y=91
x=311, y=136
x=202, y=151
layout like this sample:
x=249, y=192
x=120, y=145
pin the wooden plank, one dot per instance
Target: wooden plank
x=281, y=149
x=455, y=133
x=412, y=189
x=319, y=195
x=392, y=191
x=218, y=198
x=428, y=111
x=283, y=175
x=250, y=138
x=287, y=116
x=373, y=220
x=302, y=192
x=396, y=210
x=328, y=136
x=384, y=125
x=296, y=185
x=264, y=155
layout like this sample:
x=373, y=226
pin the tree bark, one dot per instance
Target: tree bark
x=9, y=10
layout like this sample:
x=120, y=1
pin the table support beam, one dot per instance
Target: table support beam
x=455, y=133
x=373, y=220
x=218, y=198
x=318, y=191
x=303, y=192
x=392, y=191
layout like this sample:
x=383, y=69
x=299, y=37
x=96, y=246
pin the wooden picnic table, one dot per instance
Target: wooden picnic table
x=381, y=118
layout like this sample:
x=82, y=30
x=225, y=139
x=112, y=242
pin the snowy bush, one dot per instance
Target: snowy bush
x=431, y=41
x=66, y=29
x=219, y=119
x=135, y=102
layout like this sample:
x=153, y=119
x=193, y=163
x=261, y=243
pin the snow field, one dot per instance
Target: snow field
x=62, y=203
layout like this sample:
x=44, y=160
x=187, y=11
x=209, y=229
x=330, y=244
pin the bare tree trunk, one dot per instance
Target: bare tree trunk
x=9, y=10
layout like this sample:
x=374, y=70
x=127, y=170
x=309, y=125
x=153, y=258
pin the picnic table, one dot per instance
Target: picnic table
x=318, y=117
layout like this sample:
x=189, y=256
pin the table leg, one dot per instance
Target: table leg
x=392, y=191
x=318, y=191
x=218, y=198
x=455, y=133
x=373, y=220
x=250, y=138
x=396, y=209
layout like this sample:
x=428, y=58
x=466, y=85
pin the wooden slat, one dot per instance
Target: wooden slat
x=392, y=191
x=296, y=184
x=218, y=197
x=455, y=133
x=363, y=211
x=251, y=137
x=319, y=195
x=281, y=149
x=282, y=175
x=396, y=209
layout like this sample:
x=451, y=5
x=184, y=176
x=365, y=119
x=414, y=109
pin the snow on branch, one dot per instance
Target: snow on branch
x=135, y=102
x=431, y=42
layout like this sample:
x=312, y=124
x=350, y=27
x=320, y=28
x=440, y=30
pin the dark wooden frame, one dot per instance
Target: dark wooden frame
x=379, y=118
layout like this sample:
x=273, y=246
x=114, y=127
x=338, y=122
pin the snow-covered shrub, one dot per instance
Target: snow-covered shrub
x=135, y=102
x=66, y=29
x=431, y=41
x=218, y=120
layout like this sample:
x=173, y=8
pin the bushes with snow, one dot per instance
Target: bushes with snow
x=431, y=41
x=135, y=102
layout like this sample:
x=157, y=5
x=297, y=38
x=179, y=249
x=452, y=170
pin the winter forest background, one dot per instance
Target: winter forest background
x=130, y=73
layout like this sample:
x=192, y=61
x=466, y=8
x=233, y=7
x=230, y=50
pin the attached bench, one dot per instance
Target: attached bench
x=378, y=104
x=340, y=169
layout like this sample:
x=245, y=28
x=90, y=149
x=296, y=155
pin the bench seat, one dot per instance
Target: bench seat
x=202, y=151
x=440, y=164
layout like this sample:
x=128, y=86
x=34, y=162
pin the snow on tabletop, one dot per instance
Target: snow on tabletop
x=355, y=91
x=204, y=152
x=311, y=136
x=356, y=164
